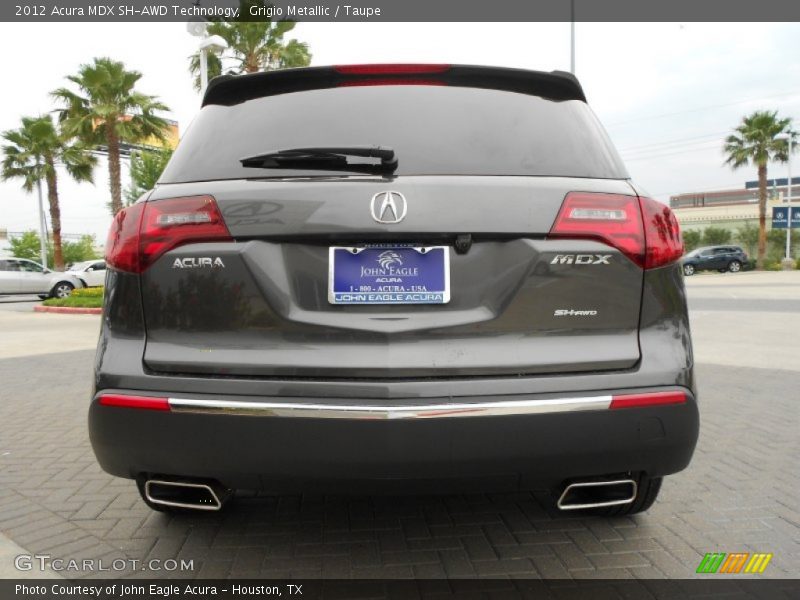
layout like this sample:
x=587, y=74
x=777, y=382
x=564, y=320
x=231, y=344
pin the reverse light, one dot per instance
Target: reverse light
x=643, y=229
x=647, y=399
x=143, y=232
x=141, y=402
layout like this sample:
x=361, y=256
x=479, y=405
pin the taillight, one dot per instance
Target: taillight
x=122, y=245
x=143, y=232
x=662, y=233
x=644, y=230
x=647, y=399
x=140, y=402
x=391, y=69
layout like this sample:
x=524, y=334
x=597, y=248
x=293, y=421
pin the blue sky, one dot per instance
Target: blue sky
x=666, y=92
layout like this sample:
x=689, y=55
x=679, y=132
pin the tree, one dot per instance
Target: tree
x=108, y=111
x=27, y=246
x=31, y=154
x=253, y=46
x=691, y=239
x=146, y=168
x=754, y=143
x=716, y=236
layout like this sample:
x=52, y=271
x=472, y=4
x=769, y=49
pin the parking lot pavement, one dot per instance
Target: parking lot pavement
x=740, y=494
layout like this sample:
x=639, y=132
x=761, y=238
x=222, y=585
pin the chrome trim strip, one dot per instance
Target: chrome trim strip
x=380, y=413
x=630, y=482
x=179, y=484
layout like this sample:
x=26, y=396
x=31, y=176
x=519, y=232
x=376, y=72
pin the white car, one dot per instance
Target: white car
x=23, y=276
x=91, y=272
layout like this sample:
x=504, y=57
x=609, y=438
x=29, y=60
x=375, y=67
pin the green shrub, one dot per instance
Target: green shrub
x=772, y=266
x=691, y=239
x=749, y=265
x=716, y=236
x=92, y=292
x=75, y=302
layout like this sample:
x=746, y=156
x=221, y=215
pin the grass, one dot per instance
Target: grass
x=80, y=298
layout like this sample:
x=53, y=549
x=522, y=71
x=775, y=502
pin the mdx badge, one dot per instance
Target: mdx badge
x=581, y=259
x=388, y=207
x=198, y=262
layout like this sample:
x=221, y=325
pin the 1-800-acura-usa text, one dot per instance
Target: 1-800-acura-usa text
x=395, y=276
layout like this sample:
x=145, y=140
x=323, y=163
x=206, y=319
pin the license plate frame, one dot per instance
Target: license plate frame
x=390, y=278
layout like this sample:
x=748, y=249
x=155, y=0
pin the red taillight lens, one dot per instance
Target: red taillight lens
x=662, y=233
x=613, y=219
x=391, y=69
x=122, y=245
x=648, y=399
x=141, y=402
x=644, y=230
x=143, y=232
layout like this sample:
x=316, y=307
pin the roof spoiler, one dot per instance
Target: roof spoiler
x=229, y=90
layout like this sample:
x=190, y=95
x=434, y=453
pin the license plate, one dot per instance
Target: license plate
x=389, y=275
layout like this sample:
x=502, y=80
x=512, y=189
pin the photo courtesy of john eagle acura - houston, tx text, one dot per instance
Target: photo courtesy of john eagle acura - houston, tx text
x=395, y=277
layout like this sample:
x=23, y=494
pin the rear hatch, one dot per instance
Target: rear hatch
x=460, y=262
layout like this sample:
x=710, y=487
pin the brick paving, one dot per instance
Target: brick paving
x=741, y=493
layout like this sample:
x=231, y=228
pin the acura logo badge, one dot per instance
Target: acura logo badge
x=388, y=207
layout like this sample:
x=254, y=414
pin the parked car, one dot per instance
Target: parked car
x=23, y=276
x=714, y=258
x=336, y=285
x=92, y=273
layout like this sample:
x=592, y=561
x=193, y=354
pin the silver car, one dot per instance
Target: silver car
x=92, y=273
x=23, y=276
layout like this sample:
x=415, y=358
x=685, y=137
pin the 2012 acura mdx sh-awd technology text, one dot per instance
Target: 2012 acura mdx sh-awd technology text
x=409, y=277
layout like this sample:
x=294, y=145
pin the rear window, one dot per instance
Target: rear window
x=434, y=130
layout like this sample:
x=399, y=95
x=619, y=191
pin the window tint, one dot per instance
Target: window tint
x=13, y=265
x=435, y=130
x=99, y=266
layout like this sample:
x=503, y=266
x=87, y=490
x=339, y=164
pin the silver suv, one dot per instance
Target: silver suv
x=23, y=276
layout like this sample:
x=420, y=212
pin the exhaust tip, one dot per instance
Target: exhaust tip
x=185, y=494
x=597, y=494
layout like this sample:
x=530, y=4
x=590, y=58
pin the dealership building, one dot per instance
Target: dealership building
x=730, y=209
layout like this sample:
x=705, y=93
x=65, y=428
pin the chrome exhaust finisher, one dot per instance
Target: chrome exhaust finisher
x=597, y=494
x=185, y=494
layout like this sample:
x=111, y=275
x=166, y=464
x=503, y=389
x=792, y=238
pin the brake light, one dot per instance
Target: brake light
x=644, y=230
x=662, y=233
x=122, y=244
x=391, y=69
x=143, y=232
x=141, y=402
x=394, y=81
x=647, y=399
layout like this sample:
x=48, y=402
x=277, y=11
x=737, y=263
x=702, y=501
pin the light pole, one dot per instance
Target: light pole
x=788, y=138
x=42, y=222
x=572, y=38
x=208, y=42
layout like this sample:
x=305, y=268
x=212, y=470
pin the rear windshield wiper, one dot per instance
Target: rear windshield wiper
x=326, y=159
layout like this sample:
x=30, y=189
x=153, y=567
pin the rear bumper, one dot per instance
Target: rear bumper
x=505, y=442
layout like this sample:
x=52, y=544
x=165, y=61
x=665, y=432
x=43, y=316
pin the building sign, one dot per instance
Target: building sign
x=780, y=217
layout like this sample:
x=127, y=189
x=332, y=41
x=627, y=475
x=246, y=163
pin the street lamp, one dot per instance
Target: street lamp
x=788, y=138
x=208, y=42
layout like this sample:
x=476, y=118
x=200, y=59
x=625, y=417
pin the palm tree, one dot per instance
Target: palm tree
x=253, y=46
x=108, y=111
x=754, y=142
x=146, y=168
x=31, y=154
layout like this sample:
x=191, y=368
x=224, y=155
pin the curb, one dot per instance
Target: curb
x=68, y=310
